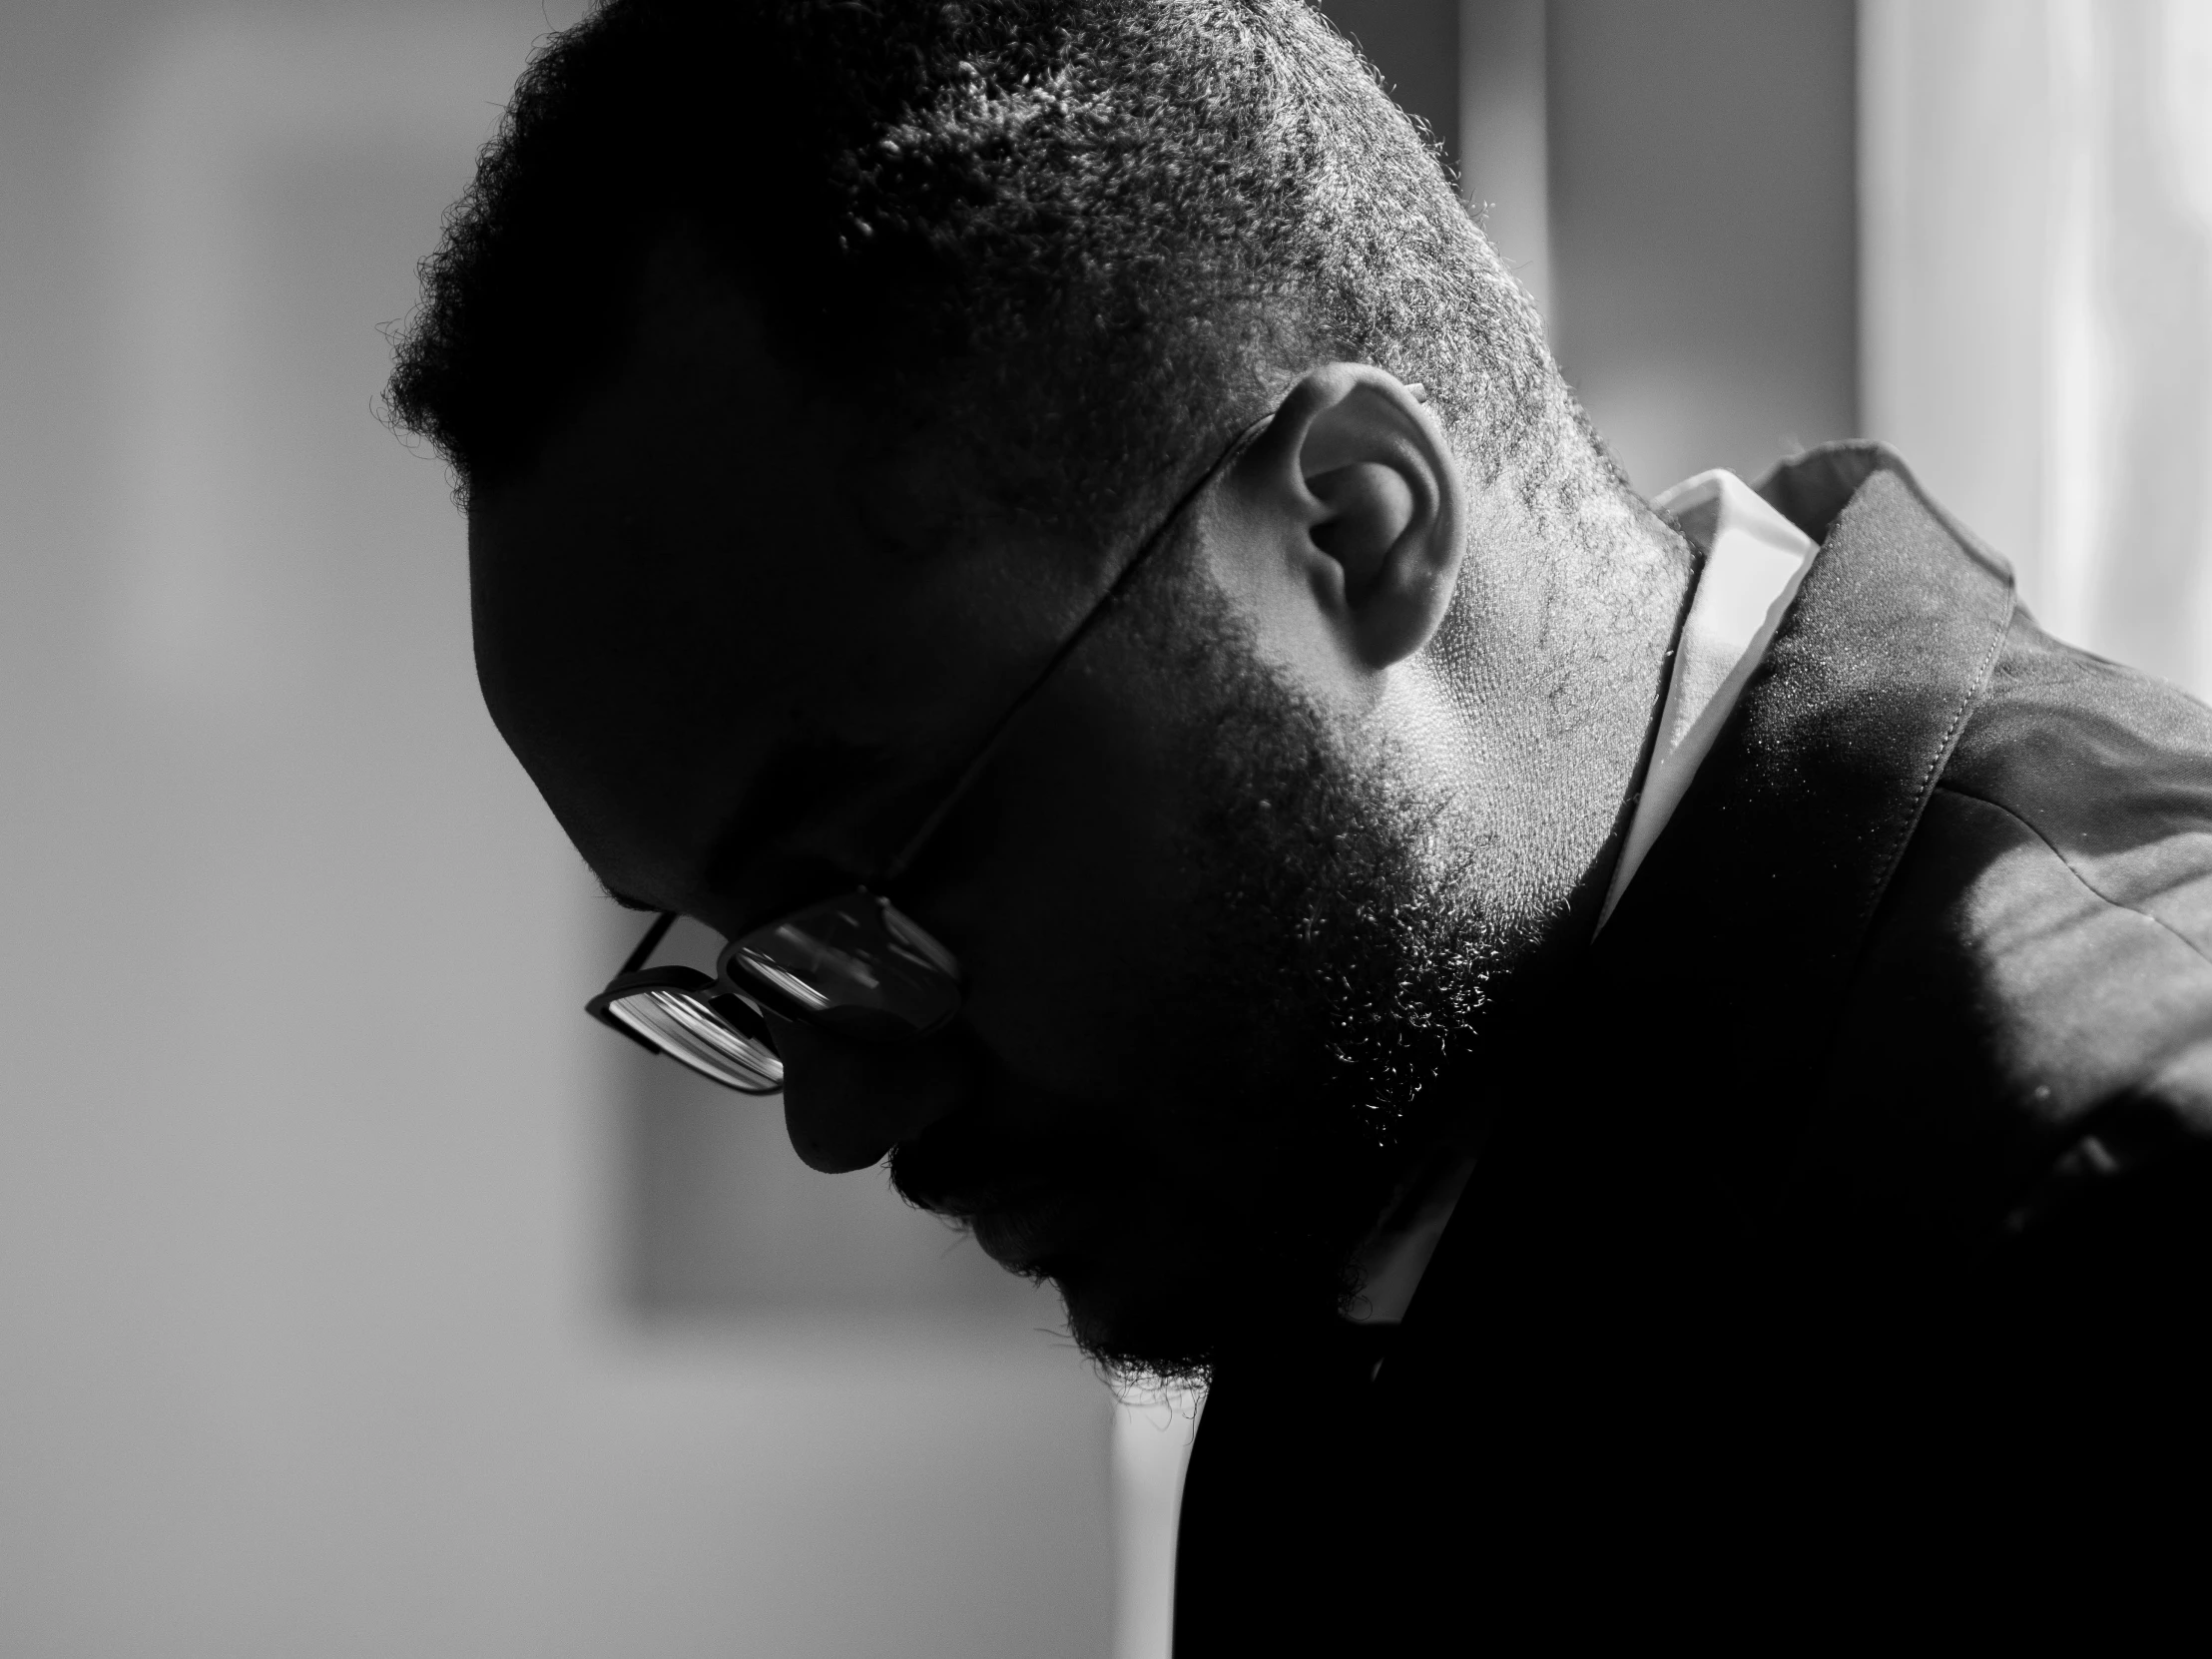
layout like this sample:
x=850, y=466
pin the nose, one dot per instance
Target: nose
x=847, y=1103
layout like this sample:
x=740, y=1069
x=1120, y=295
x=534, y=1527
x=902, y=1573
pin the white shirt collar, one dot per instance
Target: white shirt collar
x=1755, y=560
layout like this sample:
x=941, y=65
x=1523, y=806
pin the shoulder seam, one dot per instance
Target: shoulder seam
x=1932, y=779
x=2074, y=870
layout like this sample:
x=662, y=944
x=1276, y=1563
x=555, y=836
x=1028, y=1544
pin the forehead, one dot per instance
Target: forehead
x=714, y=614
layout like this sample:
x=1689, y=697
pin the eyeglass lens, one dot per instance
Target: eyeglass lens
x=718, y=1036
x=854, y=965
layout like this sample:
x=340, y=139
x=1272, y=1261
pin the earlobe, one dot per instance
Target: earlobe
x=1368, y=496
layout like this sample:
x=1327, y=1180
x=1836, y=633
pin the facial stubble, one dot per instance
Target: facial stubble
x=1335, y=963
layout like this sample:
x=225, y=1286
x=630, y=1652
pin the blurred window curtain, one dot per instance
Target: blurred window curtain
x=2037, y=288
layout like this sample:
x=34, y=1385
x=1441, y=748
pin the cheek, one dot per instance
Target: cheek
x=1061, y=889
x=1066, y=984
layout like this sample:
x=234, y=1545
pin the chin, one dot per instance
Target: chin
x=1141, y=1321
x=1142, y=1297
x=1158, y=1277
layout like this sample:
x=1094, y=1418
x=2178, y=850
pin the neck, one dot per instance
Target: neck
x=1639, y=600
x=1568, y=690
x=1554, y=665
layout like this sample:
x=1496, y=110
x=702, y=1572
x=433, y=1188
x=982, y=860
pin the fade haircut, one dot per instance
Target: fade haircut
x=1090, y=239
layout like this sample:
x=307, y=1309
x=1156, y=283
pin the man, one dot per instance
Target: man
x=1623, y=1042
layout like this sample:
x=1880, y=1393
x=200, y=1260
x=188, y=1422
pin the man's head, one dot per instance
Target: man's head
x=812, y=369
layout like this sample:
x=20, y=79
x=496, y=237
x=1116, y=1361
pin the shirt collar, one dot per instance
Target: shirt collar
x=1753, y=562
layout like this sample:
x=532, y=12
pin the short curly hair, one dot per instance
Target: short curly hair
x=1103, y=233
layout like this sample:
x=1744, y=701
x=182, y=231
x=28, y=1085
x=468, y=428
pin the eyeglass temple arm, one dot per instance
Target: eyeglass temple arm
x=653, y=937
x=1106, y=601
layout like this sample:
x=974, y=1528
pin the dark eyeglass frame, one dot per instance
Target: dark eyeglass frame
x=912, y=982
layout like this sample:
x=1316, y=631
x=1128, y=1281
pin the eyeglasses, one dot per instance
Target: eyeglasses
x=853, y=965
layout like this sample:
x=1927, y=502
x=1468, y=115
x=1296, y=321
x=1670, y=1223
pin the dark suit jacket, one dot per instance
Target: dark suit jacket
x=1844, y=1241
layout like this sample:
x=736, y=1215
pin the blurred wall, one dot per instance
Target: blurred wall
x=1504, y=141
x=1675, y=183
x=1704, y=226
x=313, y=1336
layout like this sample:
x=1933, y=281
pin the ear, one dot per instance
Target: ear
x=1355, y=489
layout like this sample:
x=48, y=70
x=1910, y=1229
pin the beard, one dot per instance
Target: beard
x=1336, y=968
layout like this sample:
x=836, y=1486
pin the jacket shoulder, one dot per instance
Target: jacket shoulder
x=2111, y=768
x=2031, y=1019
